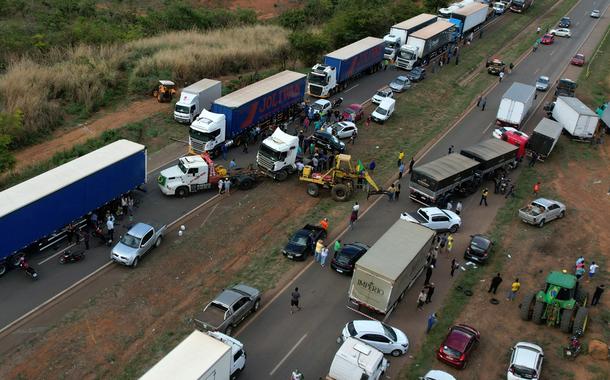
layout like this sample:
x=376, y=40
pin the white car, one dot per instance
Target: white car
x=498, y=132
x=596, y=13
x=385, y=92
x=525, y=362
x=344, y=129
x=386, y=339
x=434, y=218
x=321, y=106
x=435, y=374
x=561, y=32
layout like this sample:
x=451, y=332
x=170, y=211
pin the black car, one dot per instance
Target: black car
x=346, y=258
x=303, y=242
x=417, y=74
x=565, y=22
x=479, y=248
x=327, y=141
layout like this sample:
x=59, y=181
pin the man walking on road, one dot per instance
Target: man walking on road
x=597, y=294
x=411, y=163
x=110, y=227
x=401, y=156
x=428, y=274
x=421, y=298
x=431, y=322
x=458, y=208
x=429, y=292
x=536, y=188
x=514, y=288
x=294, y=300
x=228, y=186
x=479, y=101
x=484, y=195
x=495, y=282
x=401, y=170
x=501, y=76
x=483, y=103
x=450, y=150
x=454, y=266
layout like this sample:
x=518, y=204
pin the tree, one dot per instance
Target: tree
x=434, y=5
x=307, y=46
x=10, y=124
x=293, y=19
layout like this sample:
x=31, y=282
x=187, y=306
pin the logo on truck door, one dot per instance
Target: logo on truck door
x=370, y=286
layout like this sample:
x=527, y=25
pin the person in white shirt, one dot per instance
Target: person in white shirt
x=458, y=208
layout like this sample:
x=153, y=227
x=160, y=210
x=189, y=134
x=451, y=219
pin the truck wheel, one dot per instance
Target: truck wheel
x=2, y=269
x=454, y=228
x=538, y=312
x=541, y=224
x=182, y=192
x=15, y=259
x=340, y=192
x=566, y=320
x=135, y=262
x=246, y=183
x=527, y=307
x=581, y=319
x=281, y=176
x=158, y=242
x=313, y=190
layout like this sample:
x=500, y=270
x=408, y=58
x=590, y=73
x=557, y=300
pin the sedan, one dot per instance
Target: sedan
x=382, y=94
x=417, y=74
x=547, y=39
x=578, y=60
x=596, y=13
x=353, y=112
x=400, y=84
x=561, y=32
x=386, y=339
x=542, y=84
x=479, y=248
x=498, y=132
x=525, y=362
x=328, y=141
x=565, y=22
x=344, y=129
x=458, y=345
x=346, y=258
x=321, y=106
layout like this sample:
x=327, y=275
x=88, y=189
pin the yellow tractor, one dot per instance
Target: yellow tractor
x=342, y=179
x=165, y=91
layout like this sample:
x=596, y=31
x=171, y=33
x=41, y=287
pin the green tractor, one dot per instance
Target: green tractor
x=563, y=303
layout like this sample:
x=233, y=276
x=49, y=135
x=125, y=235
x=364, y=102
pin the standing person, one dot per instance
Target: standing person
x=294, y=300
x=93, y=220
x=401, y=156
x=368, y=121
x=510, y=68
x=337, y=246
x=510, y=192
x=429, y=292
x=352, y=219
x=450, y=150
x=579, y=272
x=479, y=100
x=130, y=202
x=501, y=76
x=323, y=256
x=449, y=206
x=232, y=164
x=597, y=294
x=124, y=204
x=421, y=298
x=86, y=238
x=536, y=188
x=245, y=149
x=533, y=159
x=428, y=274
x=484, y=195
x=372, y=166
x=70, y=232
x=495, y=282
x=221, y=185
x=431, y=322
x=411, y=163
x=318, y=250
x=458, y=208
x=483, y=103
x=110, y=227
x=449, y=243
x=401, y=170
x=392, y=192
x=397, y=193
x=324, y=224
x=356, y=208
x=224, y=150
x=227, y=186
x=514, y=288
x=593, y=270
x=442, y=242
x=454, y=266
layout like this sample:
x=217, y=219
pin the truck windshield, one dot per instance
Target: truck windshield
x=388, y=49
x=131, y=241
x=183, y=168
x=381, y=111
x=204, y=137
x=317, y=79
x=408, y=55
x=270, y=153
x=182, y=109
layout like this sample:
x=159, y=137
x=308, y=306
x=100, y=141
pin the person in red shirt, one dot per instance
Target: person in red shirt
x=536, y=188
x=324, y=224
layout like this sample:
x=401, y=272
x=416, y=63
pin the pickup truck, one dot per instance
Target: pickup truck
x=303, y=242
x=434, y=218
x=229, y=308
x=138, y=241
x=542, y=210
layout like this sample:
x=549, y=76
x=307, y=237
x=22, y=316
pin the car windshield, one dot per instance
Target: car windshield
x=543, y=80
x=424, y=214
x=317, y=106
x=479, y=242
x=218, y=306
x=524, y=372
x=202, y=136
x=299, y=239
x=383, y=94
x=579, y=56
x=182, y=168
x=399, y=81
x=131, y=241
x=451, y=352
x=389, y=332
x=351, y=329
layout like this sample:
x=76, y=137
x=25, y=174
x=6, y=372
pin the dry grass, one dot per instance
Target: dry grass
x=78, y=80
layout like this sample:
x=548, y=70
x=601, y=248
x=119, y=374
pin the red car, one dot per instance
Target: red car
x=547, y=39
x=458, y=345
x=578, y=59
x=353, y=112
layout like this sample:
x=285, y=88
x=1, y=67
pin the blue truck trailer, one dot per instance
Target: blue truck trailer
x=233, y=117
x=344, y=65
x=34, y=213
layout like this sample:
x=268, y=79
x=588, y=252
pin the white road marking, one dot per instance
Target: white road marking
x=552, y=52
x=489, y=126
x=538, y=69
x=50, y=257
x=287, y=355
x=351, y=88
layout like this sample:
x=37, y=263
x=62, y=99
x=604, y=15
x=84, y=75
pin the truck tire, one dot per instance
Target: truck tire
x=313, y=190
x=182, y=191
x=581, y=319
x=281, y=176
x=15, y=259
x=527, y=307
x=246, y=183
x=340, y=192
x=538, y=312
x=566, y=320
x=541, y=223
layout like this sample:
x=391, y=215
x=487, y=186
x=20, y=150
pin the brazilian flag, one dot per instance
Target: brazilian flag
x=360, y=167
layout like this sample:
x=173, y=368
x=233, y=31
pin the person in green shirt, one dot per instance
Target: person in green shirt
x=337, y=246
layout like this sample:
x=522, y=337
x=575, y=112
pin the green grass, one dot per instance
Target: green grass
x=594, y=82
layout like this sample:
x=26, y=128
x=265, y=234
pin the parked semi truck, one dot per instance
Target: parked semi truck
x=515, y=105
x=356, y=360
x=425, y=44
x=201, y=355
x=469, y=18
x=342, y=66
x=235, y=116
x=385, y=272
x=277, y=155
x=544, y=138
x=195, y=98
x=399, y=33
x=576, y=118
x=34, y=213
x=520, y=6
x=446, y=12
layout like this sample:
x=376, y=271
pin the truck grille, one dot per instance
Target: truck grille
x=197, y=146
x=264, y=162
x=315, y=90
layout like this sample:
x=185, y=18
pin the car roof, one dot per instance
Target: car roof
x=543, y=77
x=401, y=77
x=365, y=325
x=351, y=249
x=435, y=374
x=139, y=230
x=458, y=338
x=526, y=354
x=478, y=236
x=545, y=202
x=322, y=101
x=228, y=297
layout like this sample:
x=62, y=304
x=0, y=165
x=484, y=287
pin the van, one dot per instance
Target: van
x=384, y=110
x=356, y=360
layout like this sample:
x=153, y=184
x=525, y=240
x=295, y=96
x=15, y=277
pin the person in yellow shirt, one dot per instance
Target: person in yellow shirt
x=514, y=288
x=318, y=251
x=401, y=156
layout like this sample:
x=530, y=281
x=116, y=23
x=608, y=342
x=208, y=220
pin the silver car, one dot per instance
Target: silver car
x=229, y=308
x=400, y=84
x=140, y=239
x=542, y=210
x=542, y=84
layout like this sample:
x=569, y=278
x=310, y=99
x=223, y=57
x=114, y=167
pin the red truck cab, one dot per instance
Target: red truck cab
x=516, y=139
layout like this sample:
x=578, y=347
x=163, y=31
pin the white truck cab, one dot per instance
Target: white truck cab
x=356, y=360
x=193, y=173
x=324, y=76
x=207, y=131
x=195, y=98
x=277, y=155
x=391, y=45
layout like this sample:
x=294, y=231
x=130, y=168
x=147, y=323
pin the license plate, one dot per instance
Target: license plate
x=339, y=270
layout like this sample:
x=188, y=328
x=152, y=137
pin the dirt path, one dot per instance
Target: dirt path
x=63, y=140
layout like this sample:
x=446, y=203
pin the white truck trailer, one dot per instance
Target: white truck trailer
x=576, y=118
x=201, y=356
x=399, y=33
x=425, y=44
x=195, y=98
x=385, y=272
x=515, y=105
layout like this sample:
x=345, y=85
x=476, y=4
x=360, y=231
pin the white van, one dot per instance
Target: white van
x=356, y=360
x=384, y=110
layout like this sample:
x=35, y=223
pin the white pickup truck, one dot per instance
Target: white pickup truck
x=434, y=218
x=542, y=210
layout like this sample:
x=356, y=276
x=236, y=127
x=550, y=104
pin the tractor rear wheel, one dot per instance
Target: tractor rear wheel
x=581, y=319
x=527, y=307
x=313, y=190
x=581, y=297
x=340, y=192
x=566, y=320
x=538, y=312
